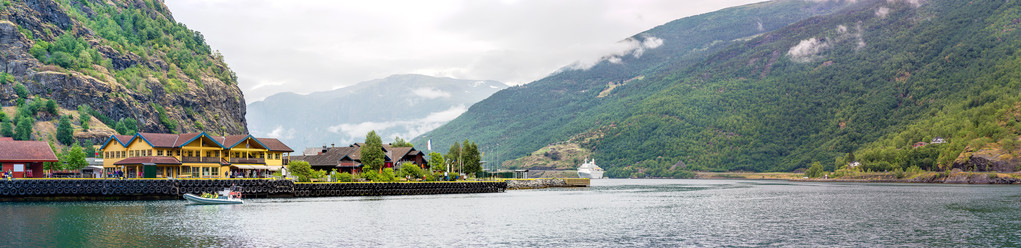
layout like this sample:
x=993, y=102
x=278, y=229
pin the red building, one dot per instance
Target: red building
x=24, y=159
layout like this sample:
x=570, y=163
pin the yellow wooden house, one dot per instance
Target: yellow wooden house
x=192, y=155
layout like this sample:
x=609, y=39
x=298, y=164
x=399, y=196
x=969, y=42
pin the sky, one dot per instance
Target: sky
x=305, y=46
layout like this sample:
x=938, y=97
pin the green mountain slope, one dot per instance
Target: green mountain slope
x=812, y=90
x=124, y=59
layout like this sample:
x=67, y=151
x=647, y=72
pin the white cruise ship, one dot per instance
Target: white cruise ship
x=590, y=170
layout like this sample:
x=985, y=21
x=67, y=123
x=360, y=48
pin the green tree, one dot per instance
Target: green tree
x=65, y=133
x=90, y=151
x=815, y=170
x=471, y=158
x=51, y=106
x=453, y=156
x=127, y=126
x=372, y=153
x=6, y=128
x=74, y=159
x=436, y=162
x=84, y=115
x=24, y=129
x=300, y=169
x=399, y=142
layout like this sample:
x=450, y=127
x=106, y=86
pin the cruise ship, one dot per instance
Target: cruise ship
x=590, y=170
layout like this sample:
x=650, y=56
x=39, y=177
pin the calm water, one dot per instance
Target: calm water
x=654, y=213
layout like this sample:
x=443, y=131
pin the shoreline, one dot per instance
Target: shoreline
x=956, y=177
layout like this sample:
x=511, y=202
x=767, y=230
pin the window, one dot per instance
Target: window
x=216, y=171
x=185, y=170
x=159, y=152
x=149, y=152
x=178, y=153
x=205, y=171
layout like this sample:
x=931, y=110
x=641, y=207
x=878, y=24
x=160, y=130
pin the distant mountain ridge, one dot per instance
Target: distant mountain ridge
x=398, y=105
x=825, y=79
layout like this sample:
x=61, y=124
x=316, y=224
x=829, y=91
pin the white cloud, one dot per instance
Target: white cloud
x=281, y=133
x=316, y=45
x=430, y=93
x=616, y=52
x=882, y=12
x=414, y=127
x=807, y=50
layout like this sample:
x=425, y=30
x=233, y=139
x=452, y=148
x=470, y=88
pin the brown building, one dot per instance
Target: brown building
x=24, y=159
x=348, y=159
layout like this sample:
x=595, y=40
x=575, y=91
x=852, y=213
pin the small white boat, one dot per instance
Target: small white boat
x=223, y=197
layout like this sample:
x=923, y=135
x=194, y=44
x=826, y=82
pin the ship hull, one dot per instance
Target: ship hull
x=590, y=174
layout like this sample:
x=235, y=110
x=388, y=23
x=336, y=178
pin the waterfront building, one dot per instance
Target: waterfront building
x=24, y=159
x=348, y=159
x=192, y=155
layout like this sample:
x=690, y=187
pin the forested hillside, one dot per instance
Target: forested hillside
x=110, y=67
x=873, y=77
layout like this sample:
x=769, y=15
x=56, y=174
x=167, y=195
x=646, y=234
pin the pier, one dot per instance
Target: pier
x=169, y=189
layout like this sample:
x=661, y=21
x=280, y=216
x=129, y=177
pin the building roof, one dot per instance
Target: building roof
x=149, y=160
x=159, y=139
x=26, y=151
x=168, y=140
x=6, y=139
x=399, y=152
x=275, y=145
x=331, y=157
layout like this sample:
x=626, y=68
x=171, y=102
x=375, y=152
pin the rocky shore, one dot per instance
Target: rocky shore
x=952, y=178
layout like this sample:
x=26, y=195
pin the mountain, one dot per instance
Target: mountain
x=123, y=59
x=398, y=105
x=828, y=79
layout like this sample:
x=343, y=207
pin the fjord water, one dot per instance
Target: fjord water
x=610, y=213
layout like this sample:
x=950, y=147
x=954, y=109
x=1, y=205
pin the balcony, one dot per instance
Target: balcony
x=200, y=159
x=248, y=161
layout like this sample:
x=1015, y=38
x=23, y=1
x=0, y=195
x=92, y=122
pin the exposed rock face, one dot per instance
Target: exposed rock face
x=213, y=105
x=987, y=160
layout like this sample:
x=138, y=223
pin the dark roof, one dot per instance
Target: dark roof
x=275, y=145
x=26, y=151
x=399, y=152
x=331, y=157
x=149, y=160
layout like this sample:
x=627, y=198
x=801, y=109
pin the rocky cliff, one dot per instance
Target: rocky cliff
x=123, y=58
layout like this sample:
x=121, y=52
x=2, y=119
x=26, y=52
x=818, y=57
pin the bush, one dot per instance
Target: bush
x=345, y=177
x=409, y=169
x=388, y=175
x=51, y=106
x=21, y=90
x=815, y=170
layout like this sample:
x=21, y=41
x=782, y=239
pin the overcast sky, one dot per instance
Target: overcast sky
x=315, y=45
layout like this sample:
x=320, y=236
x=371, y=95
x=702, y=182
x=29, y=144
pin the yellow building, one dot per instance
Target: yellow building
x=193, y=155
